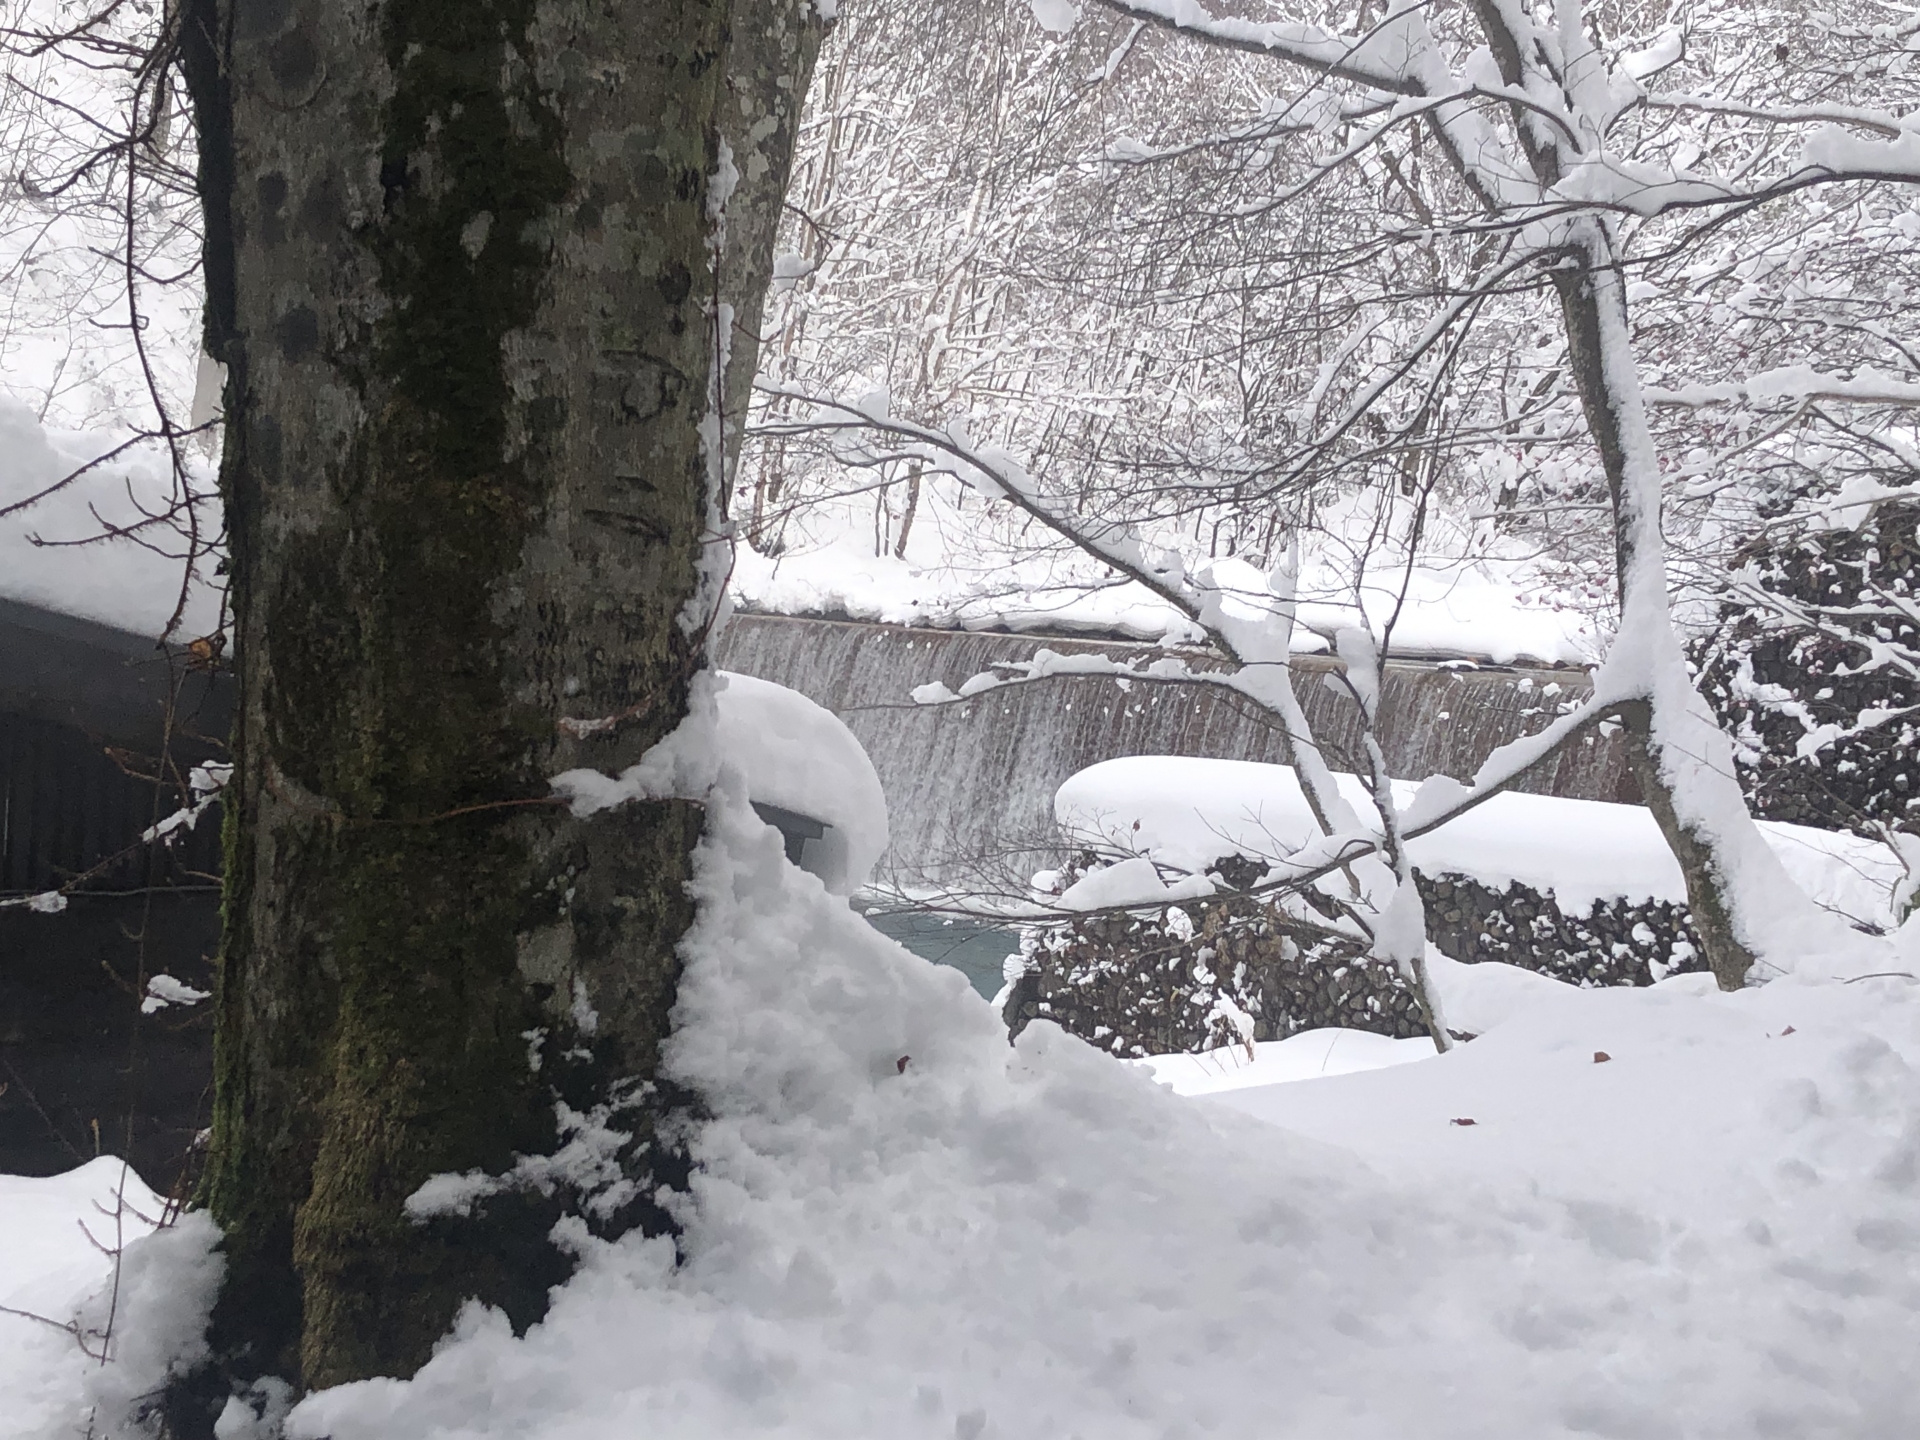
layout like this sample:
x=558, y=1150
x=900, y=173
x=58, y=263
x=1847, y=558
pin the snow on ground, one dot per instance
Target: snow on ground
x=1767, y=1106
x=48, y=1264
x=954, y=576
x=1309, y=1055
x=1187, y=813
x=1713, y=1232
x=844, y=577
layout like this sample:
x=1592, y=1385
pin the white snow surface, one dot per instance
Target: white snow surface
x=802, y=757
x=1190, y=812
x=789, y=751
x=55, y=1239
x=1488, y=607
x=1308, y=1055
x=119, y=582
x=1710, y=1234
x=1128, y=883
x=1057, y=16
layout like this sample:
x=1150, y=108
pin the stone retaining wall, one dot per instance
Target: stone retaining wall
x=1229, y=969
x=1616, y=942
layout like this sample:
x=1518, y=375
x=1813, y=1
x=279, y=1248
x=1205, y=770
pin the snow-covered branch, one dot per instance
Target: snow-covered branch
x=1378, y=59
x=1879, y=122
x=1791, y=384
x=1258, y=645
x=205, y=786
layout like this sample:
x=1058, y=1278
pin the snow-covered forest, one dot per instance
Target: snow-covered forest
x=964, y=717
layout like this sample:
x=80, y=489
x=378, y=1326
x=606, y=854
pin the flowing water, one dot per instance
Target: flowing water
x=968, y=782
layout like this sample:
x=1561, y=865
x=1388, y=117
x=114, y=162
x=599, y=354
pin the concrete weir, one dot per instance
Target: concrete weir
x=974, y=780
x=85, y=1068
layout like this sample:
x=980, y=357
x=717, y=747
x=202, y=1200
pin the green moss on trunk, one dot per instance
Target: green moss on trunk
x=467, y=355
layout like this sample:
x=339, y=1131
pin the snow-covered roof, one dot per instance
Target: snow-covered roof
x=132, y=584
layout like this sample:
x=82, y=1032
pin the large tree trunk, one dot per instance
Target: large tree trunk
x=459, y=263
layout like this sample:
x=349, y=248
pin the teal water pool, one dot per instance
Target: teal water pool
x=977, y=951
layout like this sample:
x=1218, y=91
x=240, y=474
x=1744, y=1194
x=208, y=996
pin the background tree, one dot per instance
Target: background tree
x=1516, y=224
x=1559, y=151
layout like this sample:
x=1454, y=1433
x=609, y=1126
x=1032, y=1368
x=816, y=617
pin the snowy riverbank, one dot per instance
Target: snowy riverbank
x=1708, y=1233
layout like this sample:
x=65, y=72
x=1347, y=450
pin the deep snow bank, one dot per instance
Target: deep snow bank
x=1041, y=1242
x=1187, y=813
x=1712, y=1233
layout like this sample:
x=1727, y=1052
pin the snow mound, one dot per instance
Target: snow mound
x=902, y=1226
x=52, y=1233
x=802, y=757
x=790, y=753
x=1191, y=812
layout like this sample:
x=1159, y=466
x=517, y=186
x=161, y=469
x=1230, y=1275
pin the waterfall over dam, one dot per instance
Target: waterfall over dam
x=971, y=781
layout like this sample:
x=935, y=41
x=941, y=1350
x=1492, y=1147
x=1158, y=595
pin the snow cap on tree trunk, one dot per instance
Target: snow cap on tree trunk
x=792, y=753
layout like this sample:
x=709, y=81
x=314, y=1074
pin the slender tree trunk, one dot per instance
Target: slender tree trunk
x=770, y=61
x=459, y=264
x=1400, y=930
x=1742, y=900
x=907, y=514
x=1675, y=747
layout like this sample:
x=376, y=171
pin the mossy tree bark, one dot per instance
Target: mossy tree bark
x=460, y=270
x=770, y=60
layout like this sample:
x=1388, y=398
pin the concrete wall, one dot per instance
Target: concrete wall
x=974, y=780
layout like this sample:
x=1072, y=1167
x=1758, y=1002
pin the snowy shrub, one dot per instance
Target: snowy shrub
x=1202, y=975
x=1812, y=667
x=1217, y=972
x=1616, y=940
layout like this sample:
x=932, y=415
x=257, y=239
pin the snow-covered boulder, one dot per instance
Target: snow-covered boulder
x=1187, y=813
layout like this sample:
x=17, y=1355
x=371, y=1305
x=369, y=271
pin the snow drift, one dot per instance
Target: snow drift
x=1188, y=813
x=901, y=1226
